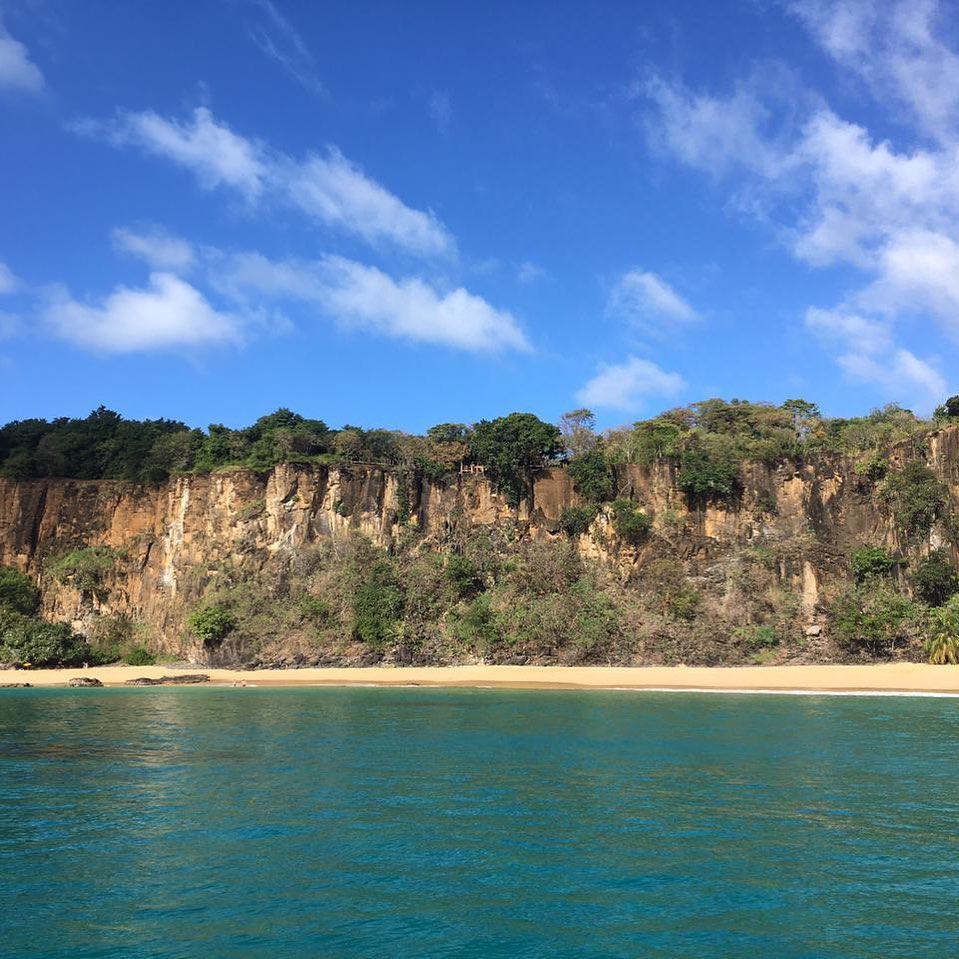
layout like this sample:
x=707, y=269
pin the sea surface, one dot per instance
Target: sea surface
x=476, y=823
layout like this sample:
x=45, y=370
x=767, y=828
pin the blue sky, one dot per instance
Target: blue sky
x=401, y=214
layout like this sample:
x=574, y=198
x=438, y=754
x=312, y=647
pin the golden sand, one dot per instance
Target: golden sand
x=886, y=677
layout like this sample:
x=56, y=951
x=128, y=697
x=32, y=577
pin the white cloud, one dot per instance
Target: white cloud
x=169, y=313
x=837, y=194
x=156, y=248
x=8, y=281
x=850, y=330
x=362, y=297
x=338, y=193
x=210, y=150
x=649, y=302
x=902, y=375
x=894, y=48
x=623, y=386
x=17, y=71
x=328, y=188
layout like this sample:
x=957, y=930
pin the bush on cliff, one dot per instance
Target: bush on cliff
x=575, y=520
x=632, y=524
x=916, y=499
x=873, y=618
x=935, y=579
x=592, y=477
x=18, y=592
x=377, y=606
x=871, y=561
x=211, y=624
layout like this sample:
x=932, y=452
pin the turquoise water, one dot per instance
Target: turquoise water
x=476, y=823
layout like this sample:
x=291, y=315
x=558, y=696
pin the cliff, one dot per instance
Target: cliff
x=787, y=539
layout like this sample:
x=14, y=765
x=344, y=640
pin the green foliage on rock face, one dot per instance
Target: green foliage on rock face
x=25, y=639
x=513, y=448
x=709, y=471
x=942, y=639
x=18, y=592
x=873, y=466
x=756, y=637
x=575, y=520
x=211, y=624
x=632, y=525
x=935, y=579
x=873, y=618
x=592, y=477
x=916, y=499
x=84, y=569
x=464, y=576
x=377, y=606
x=870, y=561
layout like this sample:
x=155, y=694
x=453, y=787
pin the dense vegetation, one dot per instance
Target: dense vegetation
x=499, y=597
x=708, y=441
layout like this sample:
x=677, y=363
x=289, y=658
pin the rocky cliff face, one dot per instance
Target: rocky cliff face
x=170, y=542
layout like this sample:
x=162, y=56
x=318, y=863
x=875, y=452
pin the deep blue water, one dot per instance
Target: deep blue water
x=476, y=823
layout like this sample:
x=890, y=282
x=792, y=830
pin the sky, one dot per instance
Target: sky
x=396, y=215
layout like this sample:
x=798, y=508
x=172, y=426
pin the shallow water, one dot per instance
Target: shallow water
x=476, y=823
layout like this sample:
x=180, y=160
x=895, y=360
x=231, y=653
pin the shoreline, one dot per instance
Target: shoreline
x=880, y=678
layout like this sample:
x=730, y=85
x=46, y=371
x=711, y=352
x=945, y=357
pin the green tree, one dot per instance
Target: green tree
x=871, y=561
x=578, y=430
x=949, y=409
x=24, y=639
x=632, y=524
x=916, y=499
x=935, y=579
x=377, y=606
x=592, y=477
x=942, y=641
x=18, y=592
x=513, y=448
x=873, y=618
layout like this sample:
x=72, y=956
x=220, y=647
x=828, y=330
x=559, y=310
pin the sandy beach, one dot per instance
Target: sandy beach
x=882, y=678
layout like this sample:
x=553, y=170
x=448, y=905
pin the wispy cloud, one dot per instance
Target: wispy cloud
x=18, y=73
x=624, y=386
x=169, y=313
x=649, y=303
x=835, y=193
x=362, y=297
x=328, y=188
x=528, y=272
x=8, y=280
x=158, y=249
x=279, y=40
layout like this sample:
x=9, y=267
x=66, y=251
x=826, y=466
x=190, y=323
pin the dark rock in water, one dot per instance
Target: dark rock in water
x=16, y=685
x=180, y=679
x=84, y=681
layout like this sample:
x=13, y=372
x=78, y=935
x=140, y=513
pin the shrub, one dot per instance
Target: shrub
x=24, y=639
x=873, y=466
x=632, y=525
x=85, y=569
x=211, y=624
x=767, y=502
x=757, y=637
x=576, y=520
x=709, y=473
x=140, y=656
x=377, y=606
x=942, y=642
x=677, y=598
x=873, y=618
x=18, y=592
x=592, y=477
x=475, y=625
x=916, y=498
x=871, y=561
x=316, y=611
x=463, y=576
x=935, y=579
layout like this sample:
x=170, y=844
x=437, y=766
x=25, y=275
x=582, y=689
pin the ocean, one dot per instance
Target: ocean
x=345, y=822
